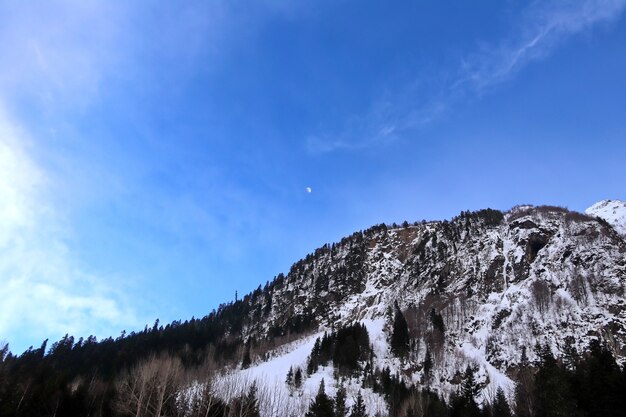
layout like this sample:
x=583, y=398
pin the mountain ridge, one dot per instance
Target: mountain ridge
x=505, y=296
x=613, y=211
x=500, y=281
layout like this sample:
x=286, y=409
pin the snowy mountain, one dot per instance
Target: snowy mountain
x=431, y=317
x=613, y=211
x=475, y=291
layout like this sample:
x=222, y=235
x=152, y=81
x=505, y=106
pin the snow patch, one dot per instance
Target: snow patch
x=277, y=398
x=613, y=211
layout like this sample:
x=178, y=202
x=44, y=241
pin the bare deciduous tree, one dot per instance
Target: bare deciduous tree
x=150, y=387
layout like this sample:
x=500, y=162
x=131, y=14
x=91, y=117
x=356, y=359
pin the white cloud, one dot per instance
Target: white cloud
x=58, y=51
x=64, y=54
x=378, y=127
x=59, y=59
x=44, y=292
x=542, y=27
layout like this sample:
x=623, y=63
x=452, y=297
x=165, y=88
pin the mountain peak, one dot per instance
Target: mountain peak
x=613, y=211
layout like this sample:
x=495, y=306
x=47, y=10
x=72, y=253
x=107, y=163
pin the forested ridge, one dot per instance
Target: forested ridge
x=173, y=369
x=100, y=379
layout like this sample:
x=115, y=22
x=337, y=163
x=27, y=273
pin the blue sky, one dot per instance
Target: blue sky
x=155, y=158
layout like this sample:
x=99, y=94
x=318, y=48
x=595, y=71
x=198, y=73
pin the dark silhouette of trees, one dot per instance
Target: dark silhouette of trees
x=322, y=405
x=340, y=402
x=598, y=384
x=399, y=334
x=346, y=348
x=464, y=405
x=553, y=388
x=525, y=388
x=297, y=378
x=358, y=409
x=500, y=406
x=86, y=376
x=246, y=361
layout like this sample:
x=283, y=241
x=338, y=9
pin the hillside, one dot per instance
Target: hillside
x=500, y=282
x=487, y=291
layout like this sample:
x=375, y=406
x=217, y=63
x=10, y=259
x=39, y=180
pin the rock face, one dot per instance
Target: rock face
x=501, y=282
x=613, y=211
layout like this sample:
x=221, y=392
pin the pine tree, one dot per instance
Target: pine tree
x=326, y=349
x=570, y=353
x=470, y=388
x=599, y=384
x=316, y=348
x=525, y=388
x=245, y=362
x=297, y=379
x=340, y=403
x=311, y=366
x=358, y=409
x=554, y=395
x=400, y=334
x=322, y=405
x=501, y=406
x=465, y=404
x=313, y=362
x=289, y=379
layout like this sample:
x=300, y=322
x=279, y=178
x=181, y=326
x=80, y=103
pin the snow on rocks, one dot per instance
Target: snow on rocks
x=613, y=211
x=537, y=275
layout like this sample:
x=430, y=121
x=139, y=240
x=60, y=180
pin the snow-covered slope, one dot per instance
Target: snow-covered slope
x=500, y=282
x=613, y=211
x=277, y=398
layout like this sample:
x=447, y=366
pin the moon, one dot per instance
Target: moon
x=308, y=190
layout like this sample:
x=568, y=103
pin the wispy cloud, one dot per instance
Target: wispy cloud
x=541, y=28
x=56, y=56
x=44, y=291
x=58, y=52
x=379, y=126
x=61, y=59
